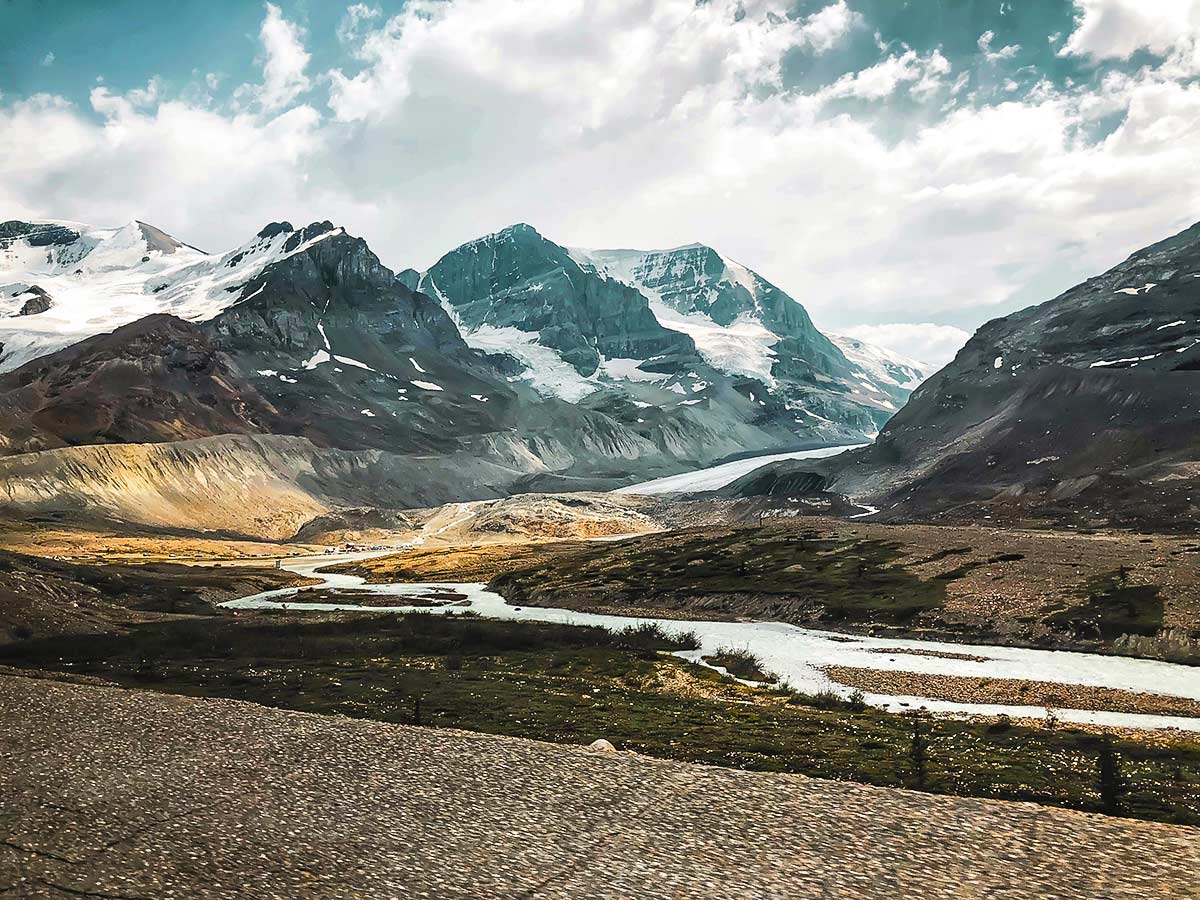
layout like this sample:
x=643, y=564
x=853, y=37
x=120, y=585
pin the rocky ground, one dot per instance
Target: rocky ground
x=146, y=795
x=45, y=597
x=1008, y=691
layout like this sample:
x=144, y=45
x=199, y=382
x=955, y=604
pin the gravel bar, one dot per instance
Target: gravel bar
x=111, y=793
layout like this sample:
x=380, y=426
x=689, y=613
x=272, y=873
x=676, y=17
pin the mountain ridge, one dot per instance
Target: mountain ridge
x=1083, y=409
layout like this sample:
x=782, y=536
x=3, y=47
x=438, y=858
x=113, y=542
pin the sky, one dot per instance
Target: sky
x=905, y=170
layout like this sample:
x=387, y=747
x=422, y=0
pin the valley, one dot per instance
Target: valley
x=604, y=450
x=606, y=615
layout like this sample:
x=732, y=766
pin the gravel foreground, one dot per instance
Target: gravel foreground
x=112, y=793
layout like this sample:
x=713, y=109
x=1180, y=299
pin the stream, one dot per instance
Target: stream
x=797, y=654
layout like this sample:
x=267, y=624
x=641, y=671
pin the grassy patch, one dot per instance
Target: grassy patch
x=1114, y=606
x=762, y=571
x=571, y=684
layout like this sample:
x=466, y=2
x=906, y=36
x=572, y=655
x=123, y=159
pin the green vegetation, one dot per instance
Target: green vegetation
x=572, y=685
x=804, y=573
x=741, y=663
x=1114, y=607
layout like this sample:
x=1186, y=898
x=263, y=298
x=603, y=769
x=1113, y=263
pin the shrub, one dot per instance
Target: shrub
x=1111, y=781
x=651, y=636
x=741, y=663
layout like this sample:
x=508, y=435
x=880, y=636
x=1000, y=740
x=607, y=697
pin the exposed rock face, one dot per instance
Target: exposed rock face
x=410, y=278
x=159, y=379
x=1085, y=407
x=36, y=301
x=354, y=358
x=36, y=234
x=744, y=325
x=516, y=278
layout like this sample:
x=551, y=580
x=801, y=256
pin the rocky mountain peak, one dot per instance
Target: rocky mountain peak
x=269, y=231
x=518, y=279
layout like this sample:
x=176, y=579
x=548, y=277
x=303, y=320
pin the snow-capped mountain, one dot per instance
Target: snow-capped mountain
x=127, y=335
x=517, y=361
x=886, y=368
x=744, y=324
x=687, y=320
x=92, y=280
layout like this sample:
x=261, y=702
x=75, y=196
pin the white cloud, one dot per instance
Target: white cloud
x=48, y=59
x=881, y=80
x=183, y=166
x=285, y=60
x=934, y=345
x=825, y=29
x=1106, y=29
x=635, y=123
x=1008, y=51
x=357, y=15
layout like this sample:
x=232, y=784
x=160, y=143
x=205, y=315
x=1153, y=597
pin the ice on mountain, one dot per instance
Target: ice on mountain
x=628, y=369
x=108, y=277
x=321, y=356
x=545, y=371
x=350, y=361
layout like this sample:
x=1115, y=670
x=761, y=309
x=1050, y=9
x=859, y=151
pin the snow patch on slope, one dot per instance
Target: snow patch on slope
x=545, y=371
x=883, y=366
x=109, y=277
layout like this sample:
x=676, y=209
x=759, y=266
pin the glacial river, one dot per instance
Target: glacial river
x=798, y=654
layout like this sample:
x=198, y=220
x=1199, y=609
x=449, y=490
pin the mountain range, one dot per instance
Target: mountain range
x=516, y=364
x=546, y=367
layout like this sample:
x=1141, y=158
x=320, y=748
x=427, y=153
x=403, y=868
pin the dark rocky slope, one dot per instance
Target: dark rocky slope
x=158, y=379
x=1083, y=409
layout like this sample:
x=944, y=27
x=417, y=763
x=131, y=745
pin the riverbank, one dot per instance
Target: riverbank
x=800, y=656
x=1113, y=593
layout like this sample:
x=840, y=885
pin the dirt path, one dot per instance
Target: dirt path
x=144, y=795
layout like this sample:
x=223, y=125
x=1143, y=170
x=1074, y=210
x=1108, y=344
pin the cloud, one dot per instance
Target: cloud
x=284, y=63
x=881, y=80
x=934, y=345
x=1006, y=52
x=1116, y=29
x=825, y=29
x=889, y=194
x=184, y=166
x=48, y=59
x=357, y=15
